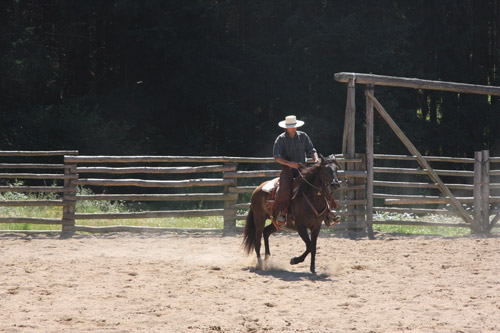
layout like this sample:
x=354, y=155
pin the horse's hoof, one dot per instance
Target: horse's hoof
x=259, y=264
x=293, y=261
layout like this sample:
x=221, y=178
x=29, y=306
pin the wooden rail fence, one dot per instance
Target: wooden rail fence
x=227, y=182
x=408, y=192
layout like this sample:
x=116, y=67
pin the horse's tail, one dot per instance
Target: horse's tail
x=249, y=233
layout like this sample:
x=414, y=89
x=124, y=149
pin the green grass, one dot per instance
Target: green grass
x=191, y=222
x=422, y=230
x=196, y=222
x=90, y=207
x=419, y=230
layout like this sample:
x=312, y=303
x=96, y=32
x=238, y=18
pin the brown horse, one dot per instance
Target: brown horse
x=308, y=209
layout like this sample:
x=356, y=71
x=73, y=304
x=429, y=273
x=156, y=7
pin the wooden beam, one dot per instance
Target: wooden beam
x=424, y=224
x=157, y=170
x=29, y=220
x=421, y=185
x=348, y=141
x=415, y=210
x=30, y=166
x=392, y=81
x=414, y=171
x=242, y=189
x=478, y=156
x=493, y=222
x=423, y=163
x=369, y=163
x=150, y=214
x=30, y=203
x=485, y=190
x=128, y=228
x=253, y=173
x=160, y=197
x=428, y=158
x=151, y=159
x=36, y=176
x=38, y=153
x=154, y=183
x=351, y=174
x=30, y=189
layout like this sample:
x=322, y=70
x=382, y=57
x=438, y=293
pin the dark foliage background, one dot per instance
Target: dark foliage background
x=213, y=77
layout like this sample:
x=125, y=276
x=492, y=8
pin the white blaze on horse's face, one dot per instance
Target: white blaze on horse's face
x=331, y=169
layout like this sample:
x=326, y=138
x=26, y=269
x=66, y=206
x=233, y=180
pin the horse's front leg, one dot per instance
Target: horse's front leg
x=314, y=241
x=302, y=230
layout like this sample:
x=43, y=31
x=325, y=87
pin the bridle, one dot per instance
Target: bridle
x=321, y=189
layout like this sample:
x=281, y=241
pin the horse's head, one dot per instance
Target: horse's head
x=329, y=176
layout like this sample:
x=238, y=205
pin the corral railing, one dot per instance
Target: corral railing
x=228, y=185
x=47, y=174
x=403, y=188
x=205, y=186
x=197, y=186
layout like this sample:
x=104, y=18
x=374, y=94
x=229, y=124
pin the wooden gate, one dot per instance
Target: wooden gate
x=371, y=102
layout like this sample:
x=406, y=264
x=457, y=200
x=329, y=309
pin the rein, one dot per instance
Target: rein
x=320, y=192
x=321, y=176
x=309, y=183
x=314, y=208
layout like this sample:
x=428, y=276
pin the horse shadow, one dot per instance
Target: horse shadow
x=289, y=276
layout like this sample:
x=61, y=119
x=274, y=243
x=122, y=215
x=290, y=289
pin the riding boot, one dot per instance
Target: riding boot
x=282, y=217
x=284, y=194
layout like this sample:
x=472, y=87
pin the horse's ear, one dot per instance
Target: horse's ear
x=333, y=159
x=322, y=158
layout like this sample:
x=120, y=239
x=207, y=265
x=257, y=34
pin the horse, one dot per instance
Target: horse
x=309, y=207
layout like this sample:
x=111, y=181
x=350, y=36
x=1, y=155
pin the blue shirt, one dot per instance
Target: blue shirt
x=294, y=149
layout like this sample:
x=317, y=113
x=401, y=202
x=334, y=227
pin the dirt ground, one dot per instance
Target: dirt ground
x=124, y=282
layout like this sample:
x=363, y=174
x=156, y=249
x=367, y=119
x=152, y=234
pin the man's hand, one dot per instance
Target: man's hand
x=282, y=161
x=315, y=157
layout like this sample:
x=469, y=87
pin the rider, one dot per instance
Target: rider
x=290, y=150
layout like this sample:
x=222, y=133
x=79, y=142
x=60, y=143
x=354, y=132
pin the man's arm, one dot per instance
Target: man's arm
x=282, y=161
x=315, y=157
x=310, y=148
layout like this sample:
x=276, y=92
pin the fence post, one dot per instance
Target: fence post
x=360, y=194
x=369, y=163
x=69, y=200
x=348, y=141
x=478, y=158
x=485, y=191
x=229, y=210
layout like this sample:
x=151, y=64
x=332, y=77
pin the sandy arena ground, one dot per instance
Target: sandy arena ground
x=205, y=283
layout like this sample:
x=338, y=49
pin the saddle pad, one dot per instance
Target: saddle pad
x=270, y=185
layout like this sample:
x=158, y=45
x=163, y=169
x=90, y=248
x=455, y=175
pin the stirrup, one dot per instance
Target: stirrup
x=280, y=222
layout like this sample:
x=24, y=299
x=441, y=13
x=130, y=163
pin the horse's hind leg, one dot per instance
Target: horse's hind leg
x=270, y=229
x=259, y=229
x=305, y=237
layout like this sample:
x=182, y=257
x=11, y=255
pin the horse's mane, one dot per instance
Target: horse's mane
x=308, y=175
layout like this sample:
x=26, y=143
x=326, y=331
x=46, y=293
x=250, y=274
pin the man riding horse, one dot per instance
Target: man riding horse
x=290, y=150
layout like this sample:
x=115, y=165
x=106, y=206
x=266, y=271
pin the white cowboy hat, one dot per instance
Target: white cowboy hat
x=290, y=122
